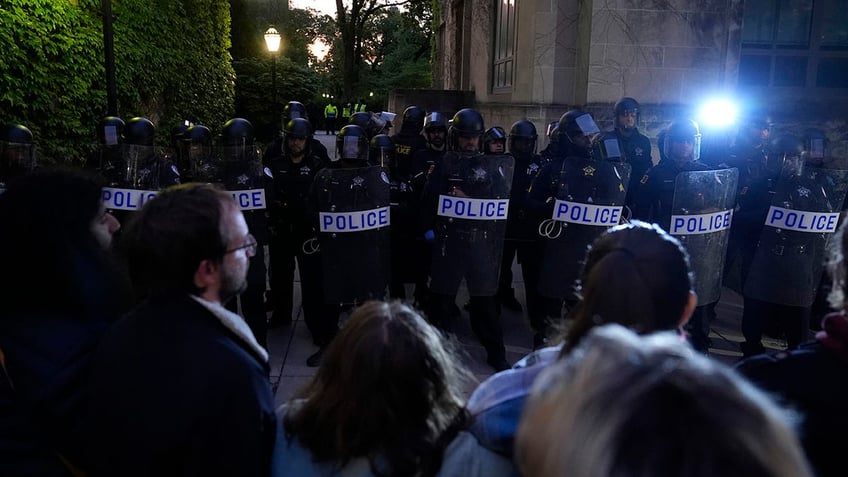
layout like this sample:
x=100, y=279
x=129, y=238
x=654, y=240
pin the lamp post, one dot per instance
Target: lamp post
x=272, y=41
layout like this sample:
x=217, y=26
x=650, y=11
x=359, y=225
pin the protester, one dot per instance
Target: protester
x=625, y=405
x=60, y=291
x=386, y=400
x=180, y=385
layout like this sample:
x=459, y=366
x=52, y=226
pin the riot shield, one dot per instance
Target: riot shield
x=16, y=159
x=702, y=211
x=789, y=258
x=353, y=224
x=589, y=199
x=471, y=211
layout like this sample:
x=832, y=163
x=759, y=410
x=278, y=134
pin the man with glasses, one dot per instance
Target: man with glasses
x=181, y=380
x=635, y=145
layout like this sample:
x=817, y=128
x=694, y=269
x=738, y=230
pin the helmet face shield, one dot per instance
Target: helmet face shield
x=17, y=158
x=609, y=149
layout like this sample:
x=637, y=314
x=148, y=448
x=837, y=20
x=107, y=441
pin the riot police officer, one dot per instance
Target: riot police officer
x=146, y=169
x=294, y=110
x=636, y=147
x=17, y=153
x=293, y=233
x=494, y=140
x=654, y=195
x=552, y=149
x=198, y=146
x=409, y=140
x=108, y=154
x=405, y=255
x=352, y=202
x=786, y=265
x=177, y=153
x=574, y=180
x=522, y=223
x=466, y=245
x=240, y=169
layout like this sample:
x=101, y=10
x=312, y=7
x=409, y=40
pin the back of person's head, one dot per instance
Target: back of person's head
x=51, y=255
x=388, y=389
x=636, y=275
x=624, y=405
x=175, y=231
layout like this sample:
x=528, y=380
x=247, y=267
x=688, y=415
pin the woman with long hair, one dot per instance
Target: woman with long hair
x=386, y=400
x=59, y=292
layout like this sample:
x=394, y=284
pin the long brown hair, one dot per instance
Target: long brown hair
x=389, y=389
x=636, y=275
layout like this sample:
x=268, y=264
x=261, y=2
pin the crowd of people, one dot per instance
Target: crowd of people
x=129, y=358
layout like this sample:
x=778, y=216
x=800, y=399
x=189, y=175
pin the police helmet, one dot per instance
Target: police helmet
x=494, y=134
x=17, y=151
x=237, y=132
x=625, y=105
x=466, y=122
x=139, y=132
x=293, y=110
x=298, y=127
x=683, y=130
x=17, y=133
x=109, y=130
x=575, y=125
x=435, y=120
x=178, y=132
x=413, y=120
x=608, y=147
x=522, y=137
x=376, y=125
x=382, y=150
x=815, y=145
x=549, y=131
x=198, y=134
x=351, y=144
x=360, y=119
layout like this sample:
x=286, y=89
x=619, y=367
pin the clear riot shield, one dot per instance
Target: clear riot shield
x=471, y=211
x=702, y=212
x=144, y=168
x=353, y=221
x=788, y=261
x=589, y=200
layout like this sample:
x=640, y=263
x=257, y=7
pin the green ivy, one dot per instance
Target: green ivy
x=172, y=64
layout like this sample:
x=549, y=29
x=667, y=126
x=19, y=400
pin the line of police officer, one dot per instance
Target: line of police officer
x=433, y=210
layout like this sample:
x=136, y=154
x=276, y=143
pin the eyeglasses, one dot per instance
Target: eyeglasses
x=249, y=246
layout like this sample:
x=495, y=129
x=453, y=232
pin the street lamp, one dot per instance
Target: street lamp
x=272, y=41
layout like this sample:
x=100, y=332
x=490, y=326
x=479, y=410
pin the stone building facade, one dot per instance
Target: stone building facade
x=535, y=59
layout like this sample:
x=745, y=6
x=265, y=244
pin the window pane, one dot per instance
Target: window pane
x=790, y=71
x=835, y=24
x=758, y=23
x=793, y=26
x=754, y=70
x=832, y=73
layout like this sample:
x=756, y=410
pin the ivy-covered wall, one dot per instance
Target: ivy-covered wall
x=171, y=57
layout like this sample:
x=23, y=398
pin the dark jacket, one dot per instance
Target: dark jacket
x=176, y=392
x=47, y=357
x=812, y=380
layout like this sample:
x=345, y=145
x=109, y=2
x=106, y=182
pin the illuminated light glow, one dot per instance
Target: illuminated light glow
x=718, y=113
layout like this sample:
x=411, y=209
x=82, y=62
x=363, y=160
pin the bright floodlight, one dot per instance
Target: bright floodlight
x=272, y=39
x=718, y=113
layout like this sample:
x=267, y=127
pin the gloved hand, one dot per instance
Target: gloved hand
x=429, y=235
